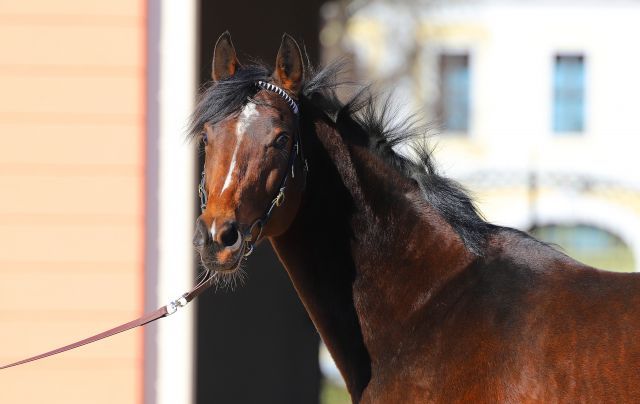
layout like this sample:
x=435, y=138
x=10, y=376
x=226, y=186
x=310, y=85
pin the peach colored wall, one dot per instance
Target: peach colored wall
x=72, y=141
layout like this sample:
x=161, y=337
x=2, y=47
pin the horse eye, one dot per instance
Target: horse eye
x=204, y=137
x=281, y=141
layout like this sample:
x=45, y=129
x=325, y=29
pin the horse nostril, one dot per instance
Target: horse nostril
x=230, y=236
x=201, y=235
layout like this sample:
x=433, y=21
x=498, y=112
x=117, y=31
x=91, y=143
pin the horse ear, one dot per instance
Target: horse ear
x=289, y=71
x=224, y=62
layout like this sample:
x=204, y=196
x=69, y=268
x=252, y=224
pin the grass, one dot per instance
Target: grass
x=331, y=393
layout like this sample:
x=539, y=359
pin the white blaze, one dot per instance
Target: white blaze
x=248, y=114
x=213, y=230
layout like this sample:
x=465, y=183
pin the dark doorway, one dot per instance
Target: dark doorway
x=257, y=344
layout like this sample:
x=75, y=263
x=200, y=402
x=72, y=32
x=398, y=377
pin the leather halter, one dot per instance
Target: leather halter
x=296, y=150
x=206, y=281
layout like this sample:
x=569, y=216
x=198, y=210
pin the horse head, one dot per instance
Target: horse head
x=251, y=183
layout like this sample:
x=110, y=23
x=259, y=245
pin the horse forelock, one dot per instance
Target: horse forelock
x=226, y=97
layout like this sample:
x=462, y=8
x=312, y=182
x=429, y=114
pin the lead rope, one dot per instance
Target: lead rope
x=163, y=311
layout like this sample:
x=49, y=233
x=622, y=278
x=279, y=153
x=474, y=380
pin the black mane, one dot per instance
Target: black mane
x=226, y=97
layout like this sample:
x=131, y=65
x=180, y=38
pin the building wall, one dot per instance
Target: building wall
x=72, y=173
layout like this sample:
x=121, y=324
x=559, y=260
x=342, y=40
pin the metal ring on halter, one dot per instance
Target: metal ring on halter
x=249, y=251
x=249, y=240
x=249, y=235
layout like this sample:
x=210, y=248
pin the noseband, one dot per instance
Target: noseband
x=296, y=150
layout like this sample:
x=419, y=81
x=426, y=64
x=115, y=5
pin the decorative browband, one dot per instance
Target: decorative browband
x=281, y=93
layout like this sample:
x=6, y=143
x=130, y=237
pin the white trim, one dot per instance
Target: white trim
x=176, y=193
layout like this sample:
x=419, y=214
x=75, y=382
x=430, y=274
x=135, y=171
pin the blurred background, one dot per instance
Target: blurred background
x=532, y=106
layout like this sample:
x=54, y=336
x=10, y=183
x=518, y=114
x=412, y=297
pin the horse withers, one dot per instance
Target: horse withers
x=416, y=296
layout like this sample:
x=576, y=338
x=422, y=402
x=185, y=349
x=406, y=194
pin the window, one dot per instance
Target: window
x=453, y=107
x=568, y=94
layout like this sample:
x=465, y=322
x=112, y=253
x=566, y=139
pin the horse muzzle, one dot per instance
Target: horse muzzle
x=220, y=250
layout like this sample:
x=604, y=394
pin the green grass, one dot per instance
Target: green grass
x=330, y=393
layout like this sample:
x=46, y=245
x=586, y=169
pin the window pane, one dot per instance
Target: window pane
x=568, y=94
x=454, y=92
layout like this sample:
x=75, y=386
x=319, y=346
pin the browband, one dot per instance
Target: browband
x=281, y=93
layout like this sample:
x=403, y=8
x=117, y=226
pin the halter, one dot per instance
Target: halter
x=296, y=150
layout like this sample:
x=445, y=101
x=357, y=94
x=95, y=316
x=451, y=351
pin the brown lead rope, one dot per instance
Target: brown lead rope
x=163, y=311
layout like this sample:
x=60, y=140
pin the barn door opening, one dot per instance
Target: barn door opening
x=256, y=344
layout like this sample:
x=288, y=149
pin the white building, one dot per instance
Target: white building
x=522, y=93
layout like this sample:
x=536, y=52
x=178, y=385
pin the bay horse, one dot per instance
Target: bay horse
x=417, y=297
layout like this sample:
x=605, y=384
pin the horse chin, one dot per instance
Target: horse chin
x=224, y=263
x=230, y=268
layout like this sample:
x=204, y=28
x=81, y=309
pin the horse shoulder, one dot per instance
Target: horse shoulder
x=523, y=323
x=537, y=325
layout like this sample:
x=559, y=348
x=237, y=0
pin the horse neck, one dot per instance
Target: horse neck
x=365, y=252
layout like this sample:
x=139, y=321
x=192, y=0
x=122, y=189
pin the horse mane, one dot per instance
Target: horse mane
x=370, y=123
